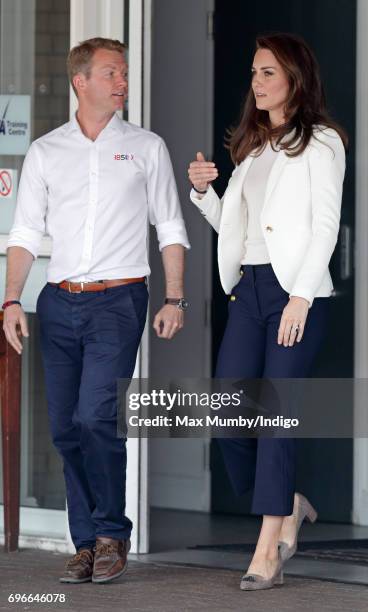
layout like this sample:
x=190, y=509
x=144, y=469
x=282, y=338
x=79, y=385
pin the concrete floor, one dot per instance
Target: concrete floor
x=158, y=587
x=174, y=577
x=174, y=532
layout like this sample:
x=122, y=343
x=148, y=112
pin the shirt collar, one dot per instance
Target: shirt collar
x=114, y=124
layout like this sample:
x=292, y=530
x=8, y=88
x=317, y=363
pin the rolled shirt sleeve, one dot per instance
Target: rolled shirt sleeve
x=163, y=200
x=29, y=222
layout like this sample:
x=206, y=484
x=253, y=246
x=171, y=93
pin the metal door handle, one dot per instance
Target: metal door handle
x=345, y=252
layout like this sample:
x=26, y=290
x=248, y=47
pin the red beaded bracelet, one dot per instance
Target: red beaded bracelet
x=9, y=303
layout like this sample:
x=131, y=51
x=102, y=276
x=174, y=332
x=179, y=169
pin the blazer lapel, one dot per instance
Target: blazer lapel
x=235, y=187
x=240, y=172
x=274, y=175
x=233, y=196
x=276, y=169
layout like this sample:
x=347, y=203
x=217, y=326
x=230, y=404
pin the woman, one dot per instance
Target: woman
x=278, y=223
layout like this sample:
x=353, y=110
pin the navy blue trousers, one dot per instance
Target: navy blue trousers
x=249, y=349
x=88, y=341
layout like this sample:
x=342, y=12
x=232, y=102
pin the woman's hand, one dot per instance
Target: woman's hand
x=201, y=172
x=293, y=321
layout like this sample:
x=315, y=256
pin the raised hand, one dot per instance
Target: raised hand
x=202, y=173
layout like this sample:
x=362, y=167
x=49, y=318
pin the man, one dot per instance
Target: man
x=92, y=184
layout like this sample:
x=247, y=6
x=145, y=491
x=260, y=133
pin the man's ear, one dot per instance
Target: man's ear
x=79, y=82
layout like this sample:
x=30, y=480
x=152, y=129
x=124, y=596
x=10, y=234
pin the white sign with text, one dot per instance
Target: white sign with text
x=15, y=124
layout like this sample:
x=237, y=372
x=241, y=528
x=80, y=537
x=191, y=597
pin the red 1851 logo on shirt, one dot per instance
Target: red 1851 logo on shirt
x=123, y=156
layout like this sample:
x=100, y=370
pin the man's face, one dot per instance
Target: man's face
x=106, y=89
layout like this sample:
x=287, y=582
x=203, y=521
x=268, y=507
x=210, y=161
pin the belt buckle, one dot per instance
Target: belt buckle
x=70, y=291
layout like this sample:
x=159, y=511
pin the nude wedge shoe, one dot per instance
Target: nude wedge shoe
x=305, y=510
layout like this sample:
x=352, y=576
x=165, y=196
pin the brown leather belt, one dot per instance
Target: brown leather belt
x=96, y=285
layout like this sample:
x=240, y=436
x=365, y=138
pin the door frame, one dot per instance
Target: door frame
x=39, y=527
x=360, y=454
x=48, y=529
x=180, y=476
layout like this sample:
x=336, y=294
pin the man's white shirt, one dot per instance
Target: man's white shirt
x=94, y=198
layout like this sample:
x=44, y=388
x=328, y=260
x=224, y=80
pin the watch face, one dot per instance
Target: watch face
x=183, y=304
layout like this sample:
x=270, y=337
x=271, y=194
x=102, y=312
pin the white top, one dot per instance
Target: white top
x=254, y=191
x=94, y=199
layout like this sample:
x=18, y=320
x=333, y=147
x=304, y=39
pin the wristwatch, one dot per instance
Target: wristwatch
x=181, y=303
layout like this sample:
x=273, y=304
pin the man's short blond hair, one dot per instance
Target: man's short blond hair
x=80, y=57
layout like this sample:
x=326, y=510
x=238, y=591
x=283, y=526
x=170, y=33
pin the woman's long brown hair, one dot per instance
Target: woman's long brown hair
x=304, y=109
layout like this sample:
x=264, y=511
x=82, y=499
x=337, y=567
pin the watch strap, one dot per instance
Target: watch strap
x=173, y=301
x=178, y=302
x=199, y=191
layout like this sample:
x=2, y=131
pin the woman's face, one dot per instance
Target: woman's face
x=269, y=83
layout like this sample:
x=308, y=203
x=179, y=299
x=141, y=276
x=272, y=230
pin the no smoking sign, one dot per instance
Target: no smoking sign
x=7, y=183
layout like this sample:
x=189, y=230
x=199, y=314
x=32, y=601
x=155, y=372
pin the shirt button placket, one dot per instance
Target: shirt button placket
x=92, y=204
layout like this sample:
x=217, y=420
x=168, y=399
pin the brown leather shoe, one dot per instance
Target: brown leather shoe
x=79, y=568
x=110, y=559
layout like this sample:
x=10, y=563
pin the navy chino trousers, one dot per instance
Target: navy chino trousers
x=88, y=341
x=249, y=349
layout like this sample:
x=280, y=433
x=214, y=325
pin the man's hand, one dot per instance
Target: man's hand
x=14, y=318
x=19, y=263
x=168, y=321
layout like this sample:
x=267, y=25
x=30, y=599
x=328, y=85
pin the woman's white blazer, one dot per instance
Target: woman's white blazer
x=300, y=217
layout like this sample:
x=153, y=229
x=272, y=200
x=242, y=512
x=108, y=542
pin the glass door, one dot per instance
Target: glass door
x=34, y=99
x=35, y=37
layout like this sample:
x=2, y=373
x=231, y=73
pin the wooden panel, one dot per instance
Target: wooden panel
x=10, y=386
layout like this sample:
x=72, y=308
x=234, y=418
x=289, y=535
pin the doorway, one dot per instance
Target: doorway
x=34, y=94
x=325, y=466
x=217, y=38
